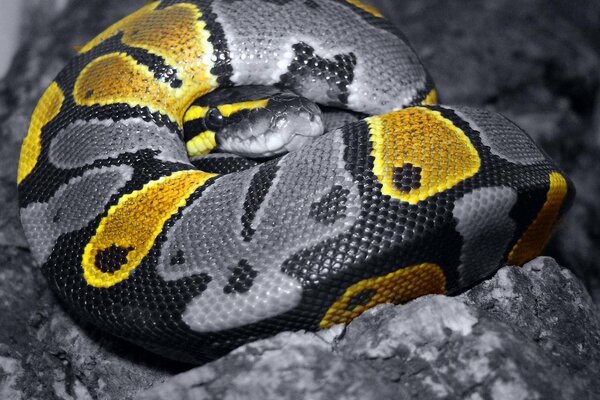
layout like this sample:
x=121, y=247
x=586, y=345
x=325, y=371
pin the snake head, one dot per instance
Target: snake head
x=254, y=122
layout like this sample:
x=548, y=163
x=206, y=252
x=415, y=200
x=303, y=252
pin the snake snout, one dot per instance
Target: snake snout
x=286, y=124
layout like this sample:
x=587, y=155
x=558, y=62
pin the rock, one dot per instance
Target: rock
x=527, y=333
x=502, y=339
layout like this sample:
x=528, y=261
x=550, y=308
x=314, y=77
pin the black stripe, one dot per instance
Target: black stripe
x=222, y=68
x=259, y=187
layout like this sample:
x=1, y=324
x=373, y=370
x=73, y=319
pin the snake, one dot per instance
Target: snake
x=206, y=173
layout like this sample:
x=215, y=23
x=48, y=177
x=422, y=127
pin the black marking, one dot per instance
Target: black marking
x=312, y=4
x=331, y=207
x=223, y=165
x=407, y=178
x=308, y=3
x=423, y=92
x=166, y=74
x=237, y=94
x=193, y=128
x=222, y=68
x=360, y=299
x=156, y=64
x=112, y=258
x=56, y=218
x=178, y=258
x=126, y=111
x=241, y=279
x=259, y=187
x=308, y=68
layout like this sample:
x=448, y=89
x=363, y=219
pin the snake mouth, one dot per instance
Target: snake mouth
x=273, y=133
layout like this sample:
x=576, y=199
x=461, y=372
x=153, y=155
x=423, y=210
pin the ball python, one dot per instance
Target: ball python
x=153, y=234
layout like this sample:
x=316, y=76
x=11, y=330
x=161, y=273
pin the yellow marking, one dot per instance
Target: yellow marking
x=47, y=108
x=77, y=47
x=397, y=287
x=195, y=112
x=135, y=222
x=534, y=240
x=370, y=9
x=228, y=110
x=117, y=78
x=201, y=144
x=431, y=98
x=177, y=35
x=424, y=139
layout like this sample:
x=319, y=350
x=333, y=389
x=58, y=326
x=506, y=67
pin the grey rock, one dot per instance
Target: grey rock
x=527, y=333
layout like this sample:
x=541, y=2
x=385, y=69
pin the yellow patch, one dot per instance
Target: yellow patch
x=419, y=143
x=177, y=35
x=533, y=241
x=370, y=9
x=431, y=98
x=118, y=78
x=47, y=108
x=135, y=222
x=228, y=110
x=397, y=287
x=201, y=144
x=195, y=112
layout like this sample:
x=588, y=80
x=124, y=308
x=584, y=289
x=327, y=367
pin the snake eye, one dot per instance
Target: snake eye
x=213, y=119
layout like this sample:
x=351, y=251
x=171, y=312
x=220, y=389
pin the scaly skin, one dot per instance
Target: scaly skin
x=190, y=264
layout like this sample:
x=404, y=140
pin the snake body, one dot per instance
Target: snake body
x=191, y=263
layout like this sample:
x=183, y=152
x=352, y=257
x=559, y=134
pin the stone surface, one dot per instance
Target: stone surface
x=526, y=333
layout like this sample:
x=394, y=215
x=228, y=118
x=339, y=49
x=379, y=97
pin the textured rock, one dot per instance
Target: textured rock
x=528, y=333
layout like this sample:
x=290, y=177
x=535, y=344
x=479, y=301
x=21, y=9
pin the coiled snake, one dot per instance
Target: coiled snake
x=191, y=258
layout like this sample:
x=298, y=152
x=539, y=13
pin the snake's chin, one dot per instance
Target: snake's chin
x=282, y=134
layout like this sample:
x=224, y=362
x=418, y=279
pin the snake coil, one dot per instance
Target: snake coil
x=190, y=263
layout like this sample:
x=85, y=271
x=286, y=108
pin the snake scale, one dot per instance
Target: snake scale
x=192, y=258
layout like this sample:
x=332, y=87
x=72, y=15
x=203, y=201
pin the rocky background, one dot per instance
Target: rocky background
x=528, y=333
